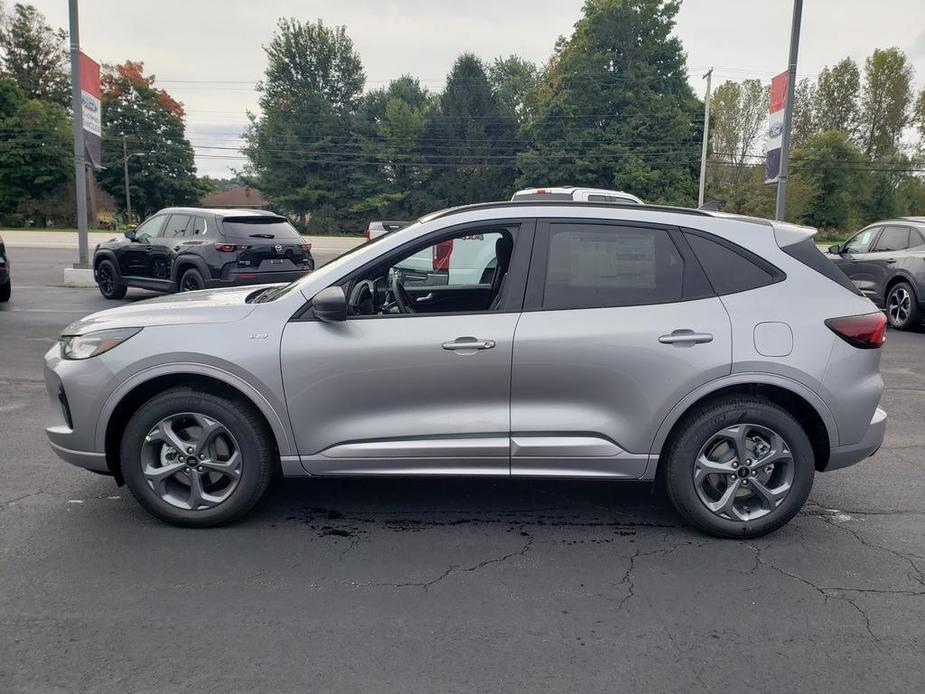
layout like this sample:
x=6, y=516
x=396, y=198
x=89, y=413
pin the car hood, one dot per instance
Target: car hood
x=208, y=306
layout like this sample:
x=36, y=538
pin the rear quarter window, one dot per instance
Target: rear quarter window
x=243, y=228
x=807, y=253
x=731, y=268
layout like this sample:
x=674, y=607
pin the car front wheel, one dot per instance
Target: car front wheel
x=6, y=290
x=196, y=459
x=739, y=467
x=902, y=308
x=107, y=279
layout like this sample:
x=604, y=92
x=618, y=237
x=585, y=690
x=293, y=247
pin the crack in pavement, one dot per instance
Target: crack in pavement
x=451, y=570
x=4, y=504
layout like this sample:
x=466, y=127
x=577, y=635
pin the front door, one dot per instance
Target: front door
x=614, y=333
x=857, y=261
x=135, y=256
x=394, y=390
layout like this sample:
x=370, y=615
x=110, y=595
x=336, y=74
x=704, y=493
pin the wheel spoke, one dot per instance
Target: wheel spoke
x=195, y=489
x=228, y=468
x=705, y=466
x=737, y=435
x=157, y=476
x=165, y=432
x=770, y=498
x=209, y=429
x=726, y=503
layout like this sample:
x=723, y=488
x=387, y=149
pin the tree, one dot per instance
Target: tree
x=152, y=123
x=837, y=98
x=514, y=82
x=35, y=153
x=829, y=174
x=805, y=120
x=740, y=112
x=470, y=141
x=615, y=109
x=886, y=101
x=34, y=55
x=303, y=150
x=918, y=119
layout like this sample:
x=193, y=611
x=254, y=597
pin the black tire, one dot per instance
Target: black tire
x=699, y=427
x=191, y=281
x=902, y=307
x=6, y=289
x=252, y=438
x=107, y=279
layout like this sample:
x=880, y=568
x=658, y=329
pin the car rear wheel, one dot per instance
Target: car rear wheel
x=108, y=282
x=196, y=459
x=6, y=289
x=191, y=281
x=740, y=467
x=902, y=308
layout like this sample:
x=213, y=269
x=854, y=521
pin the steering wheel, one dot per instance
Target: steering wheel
x=402, y=298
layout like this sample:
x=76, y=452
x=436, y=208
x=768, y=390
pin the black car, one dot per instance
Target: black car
x=886, y=261
x=5, y=285
x=189, y=248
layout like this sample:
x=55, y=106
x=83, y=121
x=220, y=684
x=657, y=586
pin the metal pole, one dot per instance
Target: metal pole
x=80, y=173
x=781, y=206
x=706, y=136
x=128, y=194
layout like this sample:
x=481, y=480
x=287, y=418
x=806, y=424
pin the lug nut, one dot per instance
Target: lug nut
x=749, y=461
x=199, y=468
x=732, y=477
x=744, y=482
x=202, y=456
x=189, y=449
x=735, y=465
x=754, y=473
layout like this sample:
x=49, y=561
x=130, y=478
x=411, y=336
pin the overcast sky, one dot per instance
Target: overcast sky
x=208, y=54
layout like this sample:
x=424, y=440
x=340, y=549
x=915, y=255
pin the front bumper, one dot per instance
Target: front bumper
x=843, y=456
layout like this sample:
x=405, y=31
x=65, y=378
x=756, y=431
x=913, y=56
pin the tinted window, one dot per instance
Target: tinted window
x=592, y=265
x=893, y=239
x=197, y=227
x=807, y=253
x=917, y=239
x=611, y=198
x=549, y=197
x=151, y=227
x=176, y=226
x=243, y=228
x=728, y=269
x=861, y=242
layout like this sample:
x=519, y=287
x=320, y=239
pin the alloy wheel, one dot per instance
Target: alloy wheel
x=104, y=278
x=743, y=472
x=191, y=461
x=190, y=283
x=899, y=305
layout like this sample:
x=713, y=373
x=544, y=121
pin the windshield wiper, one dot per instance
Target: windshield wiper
x=262, y=236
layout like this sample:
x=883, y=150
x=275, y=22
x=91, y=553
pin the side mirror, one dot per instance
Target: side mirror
x=130, y=234
x=835, y=250
x=330, y=305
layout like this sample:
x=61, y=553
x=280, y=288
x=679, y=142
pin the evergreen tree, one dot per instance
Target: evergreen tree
x=34, y=55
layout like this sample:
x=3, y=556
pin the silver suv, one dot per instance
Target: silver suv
x=723, y=356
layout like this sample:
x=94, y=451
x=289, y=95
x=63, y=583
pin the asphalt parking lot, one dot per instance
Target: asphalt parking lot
x=446, y=586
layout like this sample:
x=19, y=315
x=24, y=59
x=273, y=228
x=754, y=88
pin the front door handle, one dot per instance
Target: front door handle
x=426, y=297
x=468, y=343
x=685, y=337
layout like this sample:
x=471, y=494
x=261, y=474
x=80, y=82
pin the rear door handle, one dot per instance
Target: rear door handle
x=685, y=337
x=468, y=343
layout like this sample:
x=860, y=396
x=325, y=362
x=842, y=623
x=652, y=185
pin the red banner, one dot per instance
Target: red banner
x=92, y=110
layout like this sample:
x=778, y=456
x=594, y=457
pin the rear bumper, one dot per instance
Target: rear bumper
x=843, y=456
x=247, y=278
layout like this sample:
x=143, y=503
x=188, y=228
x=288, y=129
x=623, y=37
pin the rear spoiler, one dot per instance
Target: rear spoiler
x=256, y=219
x=787, y=234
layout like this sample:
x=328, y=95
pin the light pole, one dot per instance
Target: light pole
x=80, y=173
x=781, y=206
x=706, y=134
x=128, y=193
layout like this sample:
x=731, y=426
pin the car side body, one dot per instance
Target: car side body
x=188, y=248
x=542, y=380
x=886, y=261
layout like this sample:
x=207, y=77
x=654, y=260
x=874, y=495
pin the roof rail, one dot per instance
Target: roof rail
x=564, y=203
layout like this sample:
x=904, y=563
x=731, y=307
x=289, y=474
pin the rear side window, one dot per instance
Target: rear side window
x=807, y=253
x=244, y=228
x=592, y=266
x=730, y=268
x=176, y=226
x=197, y=227
x=893, y=238
x=916, y=239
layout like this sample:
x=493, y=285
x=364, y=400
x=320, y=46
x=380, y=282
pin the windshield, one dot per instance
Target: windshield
x=276, y=292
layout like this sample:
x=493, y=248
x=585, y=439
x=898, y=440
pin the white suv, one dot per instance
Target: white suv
x=564, y=193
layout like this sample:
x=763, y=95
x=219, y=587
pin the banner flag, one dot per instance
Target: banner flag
x=90, y=96
x=776, y=127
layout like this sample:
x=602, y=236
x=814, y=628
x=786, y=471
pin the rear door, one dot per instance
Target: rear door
x=619, y=324
x=165, y=245
x=268, y=244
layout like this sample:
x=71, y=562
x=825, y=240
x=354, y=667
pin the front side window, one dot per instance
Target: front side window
x=893, y=238
x=150, y=228
x=591, y=266
x=462, y=272
x=860, y=243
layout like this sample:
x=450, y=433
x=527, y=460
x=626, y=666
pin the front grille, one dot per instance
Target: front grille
x=65, y=408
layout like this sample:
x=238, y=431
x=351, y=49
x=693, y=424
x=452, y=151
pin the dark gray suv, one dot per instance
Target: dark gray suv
x=886, y=261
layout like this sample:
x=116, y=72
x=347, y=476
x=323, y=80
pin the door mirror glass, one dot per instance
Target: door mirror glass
x=330, y=305
x=835, y=250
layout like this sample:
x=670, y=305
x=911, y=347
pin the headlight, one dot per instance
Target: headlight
x=92, y=344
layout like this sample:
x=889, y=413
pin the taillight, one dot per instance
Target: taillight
x=867, y=331
x=230, y=247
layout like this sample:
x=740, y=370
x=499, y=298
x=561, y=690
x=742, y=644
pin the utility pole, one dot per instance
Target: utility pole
x=781, y=205
x=706, y=136
x=80, y=171
x=128, y=194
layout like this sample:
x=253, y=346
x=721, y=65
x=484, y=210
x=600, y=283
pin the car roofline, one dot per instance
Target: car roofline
x=514, y=204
